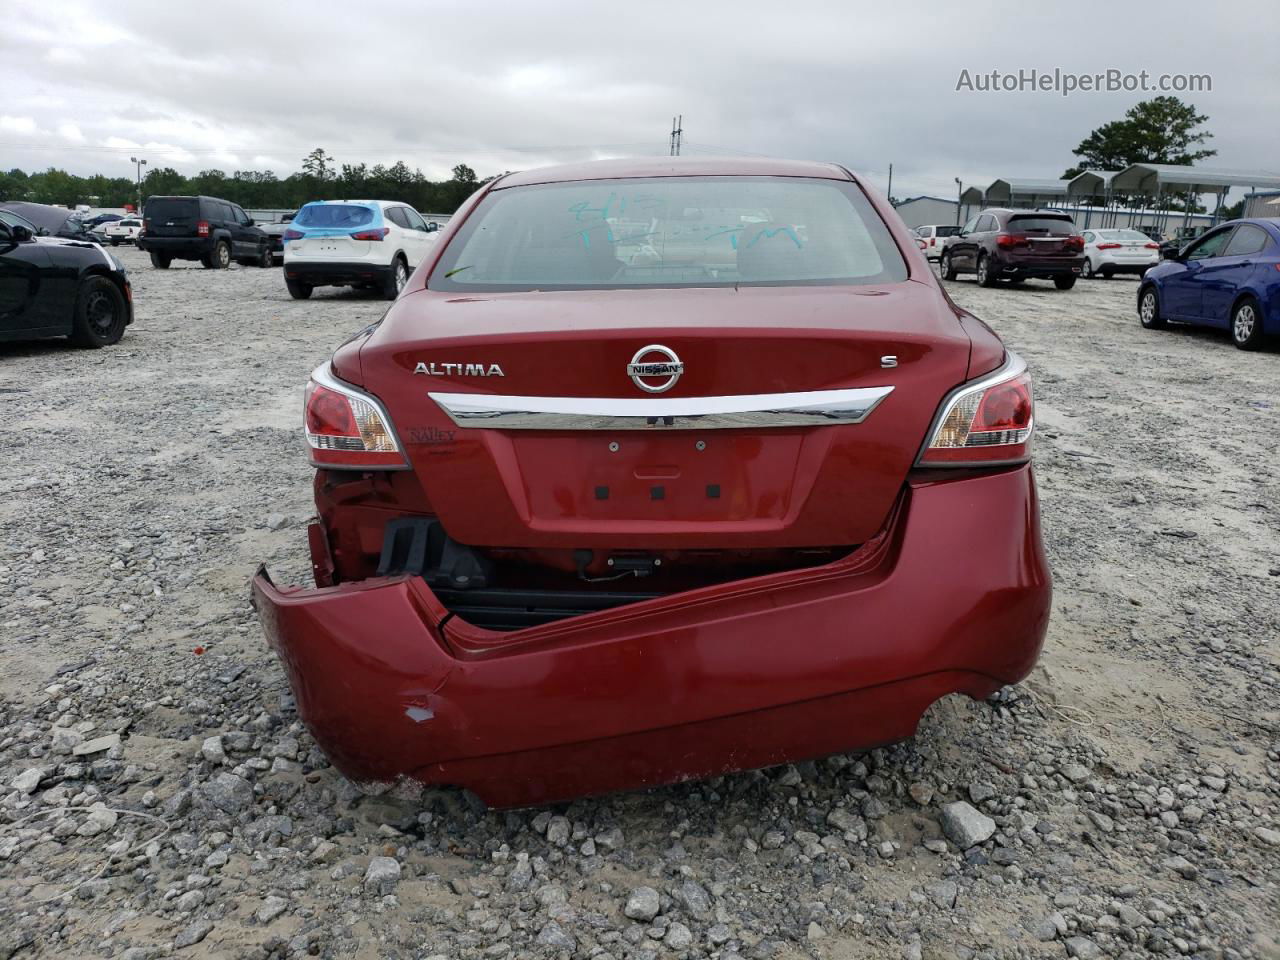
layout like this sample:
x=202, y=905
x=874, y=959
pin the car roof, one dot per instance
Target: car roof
x=43, y=215
x=637, y=167
x=367, y=203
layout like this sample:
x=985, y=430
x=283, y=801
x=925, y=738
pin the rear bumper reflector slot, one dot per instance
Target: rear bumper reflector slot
x=750, y=411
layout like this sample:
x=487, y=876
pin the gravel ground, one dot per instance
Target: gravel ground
x=158, y=795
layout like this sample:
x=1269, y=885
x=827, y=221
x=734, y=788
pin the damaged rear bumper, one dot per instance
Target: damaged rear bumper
x=953, y=596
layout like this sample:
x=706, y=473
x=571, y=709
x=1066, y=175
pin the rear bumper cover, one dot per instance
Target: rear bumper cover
x=1040, y=269
x=190, y=248
x=321, y=273
x=953, y=596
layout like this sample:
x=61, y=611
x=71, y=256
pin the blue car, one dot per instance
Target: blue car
x=1227, y=278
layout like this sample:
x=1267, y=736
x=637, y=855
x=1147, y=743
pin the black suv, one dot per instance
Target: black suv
x=1016, y=245
x=207, y=229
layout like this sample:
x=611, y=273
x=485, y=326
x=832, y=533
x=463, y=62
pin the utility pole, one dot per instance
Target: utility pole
x=677, y=131
x=959, y=195
x=890, y=190
x=138, y=165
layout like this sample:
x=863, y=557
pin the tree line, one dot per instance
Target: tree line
x=321, y=178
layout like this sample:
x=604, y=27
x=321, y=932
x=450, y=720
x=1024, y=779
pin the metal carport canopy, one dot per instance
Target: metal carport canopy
x=1004, y=191
x=1090, y=184
x=1152, y=178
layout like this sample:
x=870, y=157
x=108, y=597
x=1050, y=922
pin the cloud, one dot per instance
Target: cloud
x=528, y=84
x=24, y=125
x=71, y=132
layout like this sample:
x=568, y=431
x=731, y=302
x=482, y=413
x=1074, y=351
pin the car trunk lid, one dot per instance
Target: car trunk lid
x=634, y=471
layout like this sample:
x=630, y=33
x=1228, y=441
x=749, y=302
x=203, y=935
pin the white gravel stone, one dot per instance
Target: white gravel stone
x=643, y=904
x=28, y=780
x=965, y=826
x=382, y=875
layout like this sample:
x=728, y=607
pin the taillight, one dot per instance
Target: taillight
x=1111, y=246
x=348, y=429
x=1152, y=246
x=146, y=226
x=1007, y=241
x=377, y=233
x=932, y=242
x=292, y=234
x=1075, y=242
x=989, y=421
x=202, y=228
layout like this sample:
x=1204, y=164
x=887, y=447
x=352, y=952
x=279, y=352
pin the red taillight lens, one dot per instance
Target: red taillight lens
x=988, y=421
x=292, y=234
x=1111, y=246
x=202, y=228
x=146, y=226
x=375, y=234
x=1007, y=241
x=1152, y=246
x=347, y=428
x=932, y=242
x=1074, y=242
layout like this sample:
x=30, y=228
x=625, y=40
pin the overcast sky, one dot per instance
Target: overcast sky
x=513, y=85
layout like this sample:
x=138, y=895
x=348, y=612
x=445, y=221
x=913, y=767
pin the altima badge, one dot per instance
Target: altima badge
x=434, y=369
x=670, y=367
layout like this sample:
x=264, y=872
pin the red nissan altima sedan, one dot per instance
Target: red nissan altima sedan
x=656, y=470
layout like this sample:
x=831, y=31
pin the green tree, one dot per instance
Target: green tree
x=56, y=186
x=318, y=164
x=163, y=182
x=1160, y=130
x=323, y=180
x=13, y=185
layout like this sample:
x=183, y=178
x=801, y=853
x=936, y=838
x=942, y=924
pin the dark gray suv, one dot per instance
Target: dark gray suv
x=1016, y=245
x=207, y=229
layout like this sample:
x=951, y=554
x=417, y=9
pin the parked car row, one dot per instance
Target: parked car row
x=1227, y=277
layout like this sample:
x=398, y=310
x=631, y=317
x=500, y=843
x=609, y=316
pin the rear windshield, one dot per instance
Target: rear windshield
x=946, y=231
x=1042, y=224
x=670, y=232
x=333, y=215
x=171, y=207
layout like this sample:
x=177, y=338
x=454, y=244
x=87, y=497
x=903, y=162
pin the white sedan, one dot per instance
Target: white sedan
x=1108, y=252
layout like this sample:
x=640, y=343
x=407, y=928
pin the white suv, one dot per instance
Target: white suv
x=935, y=236
x=354, y=243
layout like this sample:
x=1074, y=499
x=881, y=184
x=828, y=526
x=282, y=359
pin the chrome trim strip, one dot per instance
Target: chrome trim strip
x=762, y=410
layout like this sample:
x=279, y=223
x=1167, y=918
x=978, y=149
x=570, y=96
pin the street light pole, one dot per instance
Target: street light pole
x=959, y=195
x=138, y=165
